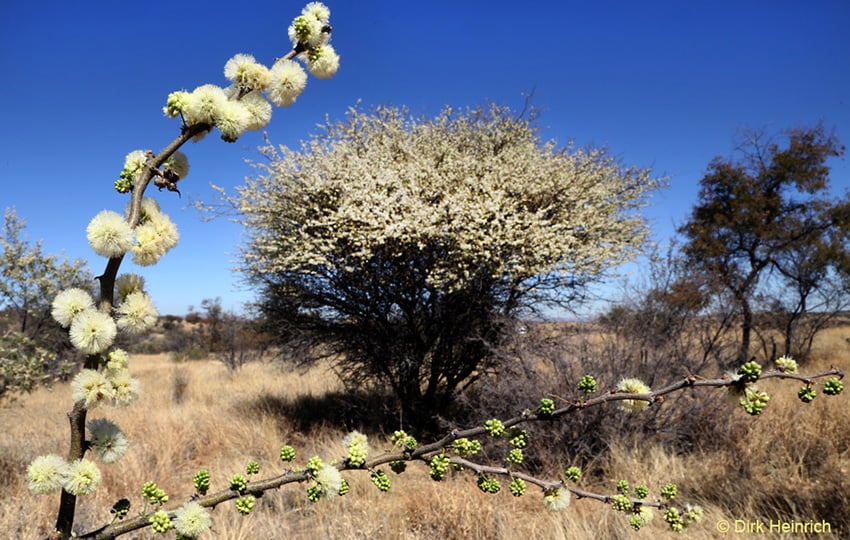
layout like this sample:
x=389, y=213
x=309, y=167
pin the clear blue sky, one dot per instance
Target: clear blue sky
x=662, y=84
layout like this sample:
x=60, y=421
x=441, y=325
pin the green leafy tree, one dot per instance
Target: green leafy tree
x=33, y=347
x=753, y=214
x=405, y=246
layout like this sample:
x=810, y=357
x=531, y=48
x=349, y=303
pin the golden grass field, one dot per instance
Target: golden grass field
x=799, y=454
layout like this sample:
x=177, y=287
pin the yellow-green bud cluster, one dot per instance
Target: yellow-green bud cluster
x=669, y=491
x=402, y=439
x=245, y=505
x=621, y=503
x=754, y=401
x=515, y=456
x=786, y=364
x=487, y=484
x=238, y=483
x=546, y=408
x=573, y=473
x=381, y=480
x=674, y=519
x=343, y=487
x=518, y=437
x=494, y=427
x=517, y=487
x=313, y=465
x=833, y=386
x=358, y=448
x=287, y=453
x=641, y=491
x=806, y=394
x=201, y=481
x=623, y=487
x=587, y=384
x=252, y=468
x=465, y=447
x=439, y=467
x=750, y=372
x=153, y=494
x=160, y=522
x=398, y=466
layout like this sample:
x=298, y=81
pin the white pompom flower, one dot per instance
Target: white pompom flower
x=46, y=474
x=633, y=386
x=233, y=119
x=70, y=303
x=245, y=72
x=92, y=387
x=82, y=478
x=109, y=234
x=136, y=314
x=323, y=62
x=557, y=499
x=317, y=10
x=177, y=163
x=191, y=520
x=259, y=111
x=288, y=81
x=204, y=105
x=124, y=388
x=107, y=440
x=92, y=332
x=306, y=29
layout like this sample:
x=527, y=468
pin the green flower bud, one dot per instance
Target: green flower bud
x=621, y=503
x=753, y=401
x=494, y=427
x=833, y=386
x=314, y=493
x=161, y=522
x=381, y=480
x=202, y=481
x=465, y=447
x=669, y=491
x=806, y=394
x=153, y=494
x=123, y=185
x=786, y=364
x=238, y=483
x=344, y=487
x=623, y=487
x=488, y=485
x=546, y=408
x=587, y=384
x=517, y=487
x=573, y=473
x=515, y=456
x=518, y=438
x=439, y=466
x=674, y=519
x=244, y=505
x=287, y=453
x=313, y=465
x=253, y=467
x=398, y=466
x=641, y=491
x=750, y=372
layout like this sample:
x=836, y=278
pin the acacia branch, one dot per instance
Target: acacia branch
x=425, y=452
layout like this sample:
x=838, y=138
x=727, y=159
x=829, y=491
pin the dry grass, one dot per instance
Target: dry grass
x=791, y=464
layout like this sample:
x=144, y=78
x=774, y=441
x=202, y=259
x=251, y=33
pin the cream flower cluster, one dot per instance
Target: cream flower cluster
x=110, y=235
x=51, y=473
x=156, y=234
x=474, y=193
x=245, y=104
x=134, y=164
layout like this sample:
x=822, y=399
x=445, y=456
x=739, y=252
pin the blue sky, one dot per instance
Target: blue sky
x=662, y=84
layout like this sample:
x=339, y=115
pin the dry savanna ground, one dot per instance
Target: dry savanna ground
x=790, y=464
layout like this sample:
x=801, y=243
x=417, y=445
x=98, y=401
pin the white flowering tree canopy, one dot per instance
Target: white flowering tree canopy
x=461, y=196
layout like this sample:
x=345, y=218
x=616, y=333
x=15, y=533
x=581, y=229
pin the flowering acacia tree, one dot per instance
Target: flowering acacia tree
x=403, y=245
x=146, y=233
